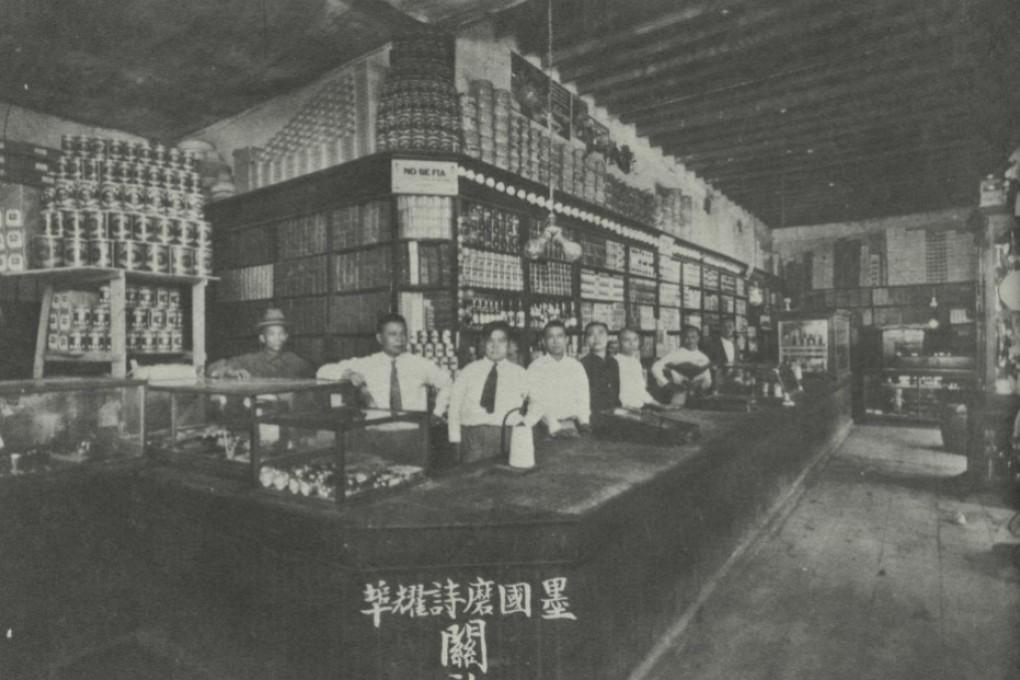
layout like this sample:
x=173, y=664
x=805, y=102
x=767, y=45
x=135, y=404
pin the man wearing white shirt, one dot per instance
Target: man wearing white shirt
x=393, y=378
x=484, y=393
x=633, y=384
x=685, y=369
x=559, y=386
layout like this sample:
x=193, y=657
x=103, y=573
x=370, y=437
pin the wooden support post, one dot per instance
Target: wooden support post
x=41, y=338
x=118, y=326
x=198, y=357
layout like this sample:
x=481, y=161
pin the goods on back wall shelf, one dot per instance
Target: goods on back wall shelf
x=669, y=319
x=492, y=228
x=613, y=314
x=12, y=240
x=426, y=264
x=551, y=278
x=600, y=252
x=642, y=262
x=478, y=309
x=541, y=313
x=483, y=269
x=136, y=207
x=362, y=224
x=600, y=286
x=642, y=291
x=425, y=217
x=419, y=109
x=438, y=346
x=669, y=295
x=363, y=269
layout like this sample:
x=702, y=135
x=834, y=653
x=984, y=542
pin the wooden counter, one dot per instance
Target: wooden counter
x=637, y=531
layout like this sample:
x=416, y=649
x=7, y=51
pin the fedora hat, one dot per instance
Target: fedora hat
x=272, y=317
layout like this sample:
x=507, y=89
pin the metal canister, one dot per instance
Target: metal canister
x=141, y=228
x=62, y=342
x=203, y=234
x=73, y=224
x=98, y=147
x=173, y=297
x=121, y=150
x=86, y=340
x=182, y=260
x=139, y=318
x=90, y=169
x=162, y=230
x=131, y=196
x=67, y=144
x=173, y=157
x=53, y=342
x=147, y=341
x=81, y=316
x=164, y=341
x=189, y=234
x=64, y=194
x=161, y=296
x=52, y=223
x=74, y=342
x=64, y=320
x=109, y=196
x=101, y=316
x=107, y=342
x=176, y=341
x=96, y=341
x=146, y=296
x=101, y=253
x=142, y=153
x=49, y=252
x=128, y=255
x=175, y=318
x=157, y=318
x=88, y=194
x=157, y=258
x=154, y=175
x=53, y=323
x=154, y=198
x=118, y=226
x=159, y=154
x=130, y=296
x=203, y=262
x=174, y=203
x=95, y=225
x=76, y=252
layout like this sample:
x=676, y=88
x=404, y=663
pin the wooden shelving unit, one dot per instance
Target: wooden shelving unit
x=54, y=279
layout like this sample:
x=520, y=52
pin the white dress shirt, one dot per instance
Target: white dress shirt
x=633, y=393
x=512, y=387
x=559, y=389
x=727, y=345
x=414, y=373
x=678, y=356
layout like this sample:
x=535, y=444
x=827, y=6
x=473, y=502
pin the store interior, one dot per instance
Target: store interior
x=827, y=196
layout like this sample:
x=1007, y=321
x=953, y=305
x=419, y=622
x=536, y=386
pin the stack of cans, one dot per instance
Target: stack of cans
x=155, y=322
x=132, y=206
x=419, y=109
x=79, y=322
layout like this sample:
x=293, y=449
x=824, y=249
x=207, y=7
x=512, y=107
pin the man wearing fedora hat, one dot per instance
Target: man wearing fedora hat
x=273, y=361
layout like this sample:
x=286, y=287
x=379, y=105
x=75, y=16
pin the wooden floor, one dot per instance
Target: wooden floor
x=878, y=573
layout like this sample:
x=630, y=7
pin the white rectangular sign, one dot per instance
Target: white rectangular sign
x=436, y=178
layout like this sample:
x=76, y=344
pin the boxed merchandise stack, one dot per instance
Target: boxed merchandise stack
x=27, y=164
x=336, y=126
x=137, y=207
x=636, y=203
x=12, y=240
x=420, y=109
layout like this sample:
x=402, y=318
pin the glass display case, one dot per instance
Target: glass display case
x=211, y=424
x=816, y=344
x=340, y=454
x=916, y=394
x=52, y=425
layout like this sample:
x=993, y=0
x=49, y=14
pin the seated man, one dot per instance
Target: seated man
x=393, y=378
x=722, y=349
x=484, y=393
x=684, y=370
x=602, y=370
x=633, y=384
x=559, y=387
x=273, y=361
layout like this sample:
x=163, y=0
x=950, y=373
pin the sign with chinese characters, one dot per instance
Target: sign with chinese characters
x=435, y=178
x=463, y=647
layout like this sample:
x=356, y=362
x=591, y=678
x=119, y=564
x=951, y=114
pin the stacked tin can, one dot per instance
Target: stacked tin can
x=132, y=206
x=79, y=322
x=155, y=322
x=419, y=109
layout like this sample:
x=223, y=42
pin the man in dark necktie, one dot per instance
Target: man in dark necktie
x=486, y=390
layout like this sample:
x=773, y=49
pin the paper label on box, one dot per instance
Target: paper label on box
x=13, y=218
x=436, y=178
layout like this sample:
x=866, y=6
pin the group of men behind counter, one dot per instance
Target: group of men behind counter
x=556, y=393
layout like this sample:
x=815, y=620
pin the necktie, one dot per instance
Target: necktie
x=488, y=400
x=395, y=402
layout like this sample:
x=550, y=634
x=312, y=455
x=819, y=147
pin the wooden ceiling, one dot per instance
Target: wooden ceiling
x=804, y=111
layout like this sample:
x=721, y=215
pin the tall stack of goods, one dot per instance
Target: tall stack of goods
x=419, y=109
x=137, y=207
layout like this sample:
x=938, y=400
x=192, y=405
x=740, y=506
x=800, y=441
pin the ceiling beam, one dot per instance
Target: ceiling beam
x=684, y=37
x=905, y=83
x=779, y=129
x=815, y=29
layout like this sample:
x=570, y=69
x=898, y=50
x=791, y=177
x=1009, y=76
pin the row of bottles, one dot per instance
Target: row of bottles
x=541, y=313
x=478, y=310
